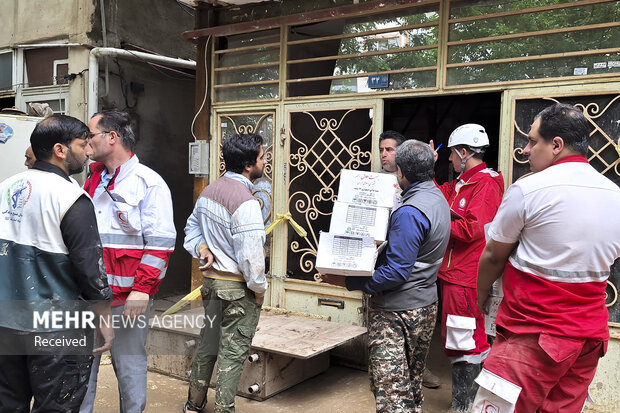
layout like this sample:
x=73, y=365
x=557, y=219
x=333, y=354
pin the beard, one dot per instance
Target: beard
x=255, y=173
x=73, y=164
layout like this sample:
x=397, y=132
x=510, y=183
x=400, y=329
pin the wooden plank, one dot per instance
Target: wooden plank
x=289, y=335
x=301, y=337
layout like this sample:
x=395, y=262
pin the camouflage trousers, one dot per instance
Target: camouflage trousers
x=237, y=314
x=398, y=342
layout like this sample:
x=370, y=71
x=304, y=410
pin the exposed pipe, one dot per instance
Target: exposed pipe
x=93, y=68
x=40, y=45
x=104, y=35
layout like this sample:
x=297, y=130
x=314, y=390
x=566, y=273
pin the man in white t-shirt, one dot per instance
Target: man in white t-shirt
x=555, y=236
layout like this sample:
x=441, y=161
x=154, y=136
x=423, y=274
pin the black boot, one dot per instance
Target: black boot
x=463, y=386
x=196, y=398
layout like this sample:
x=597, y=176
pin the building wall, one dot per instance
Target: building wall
x=154, y=25
x=161, y=100
x=22, y=21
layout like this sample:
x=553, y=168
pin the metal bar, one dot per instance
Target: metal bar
x=246, y=48
x=324, y=14
x=263, y=82
x=363, y=54
x=360, y=34
x=534, y=34
x=40, y=45
x=252, y=66
x=537, y=57
x=499, y=86
x=442, y=56
x=528, y=10
x=312, y=79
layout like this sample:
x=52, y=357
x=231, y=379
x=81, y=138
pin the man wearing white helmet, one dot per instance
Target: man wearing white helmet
x=474, y=197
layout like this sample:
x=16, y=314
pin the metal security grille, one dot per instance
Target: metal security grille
x=602, y=111
x=246, y=66
x=492, y=42
x=393, y=50
x=322, y=143
x=261, y=123
x=418, y=45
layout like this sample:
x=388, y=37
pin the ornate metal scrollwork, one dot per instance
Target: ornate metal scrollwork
x=603, y=150
x=240, y=125
x=321, y=160
x=611, y=294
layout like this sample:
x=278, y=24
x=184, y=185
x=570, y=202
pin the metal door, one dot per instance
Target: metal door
x=320, y=141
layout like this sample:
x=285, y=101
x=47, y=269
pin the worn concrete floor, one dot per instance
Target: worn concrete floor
x=338, y=390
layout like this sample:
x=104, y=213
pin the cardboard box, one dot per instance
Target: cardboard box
x=367, y=188
x=497, y=288
x=341, y=254
x=360, y=220
x=493, y=303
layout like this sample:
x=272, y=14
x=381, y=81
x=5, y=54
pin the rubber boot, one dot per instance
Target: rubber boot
x=463, y=386
x=196, y=399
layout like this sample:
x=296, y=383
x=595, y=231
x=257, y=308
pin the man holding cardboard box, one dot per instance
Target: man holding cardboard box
x=389, y=141
x=403, y=306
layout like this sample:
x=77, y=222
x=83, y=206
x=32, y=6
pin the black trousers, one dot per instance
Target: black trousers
x=57, y=380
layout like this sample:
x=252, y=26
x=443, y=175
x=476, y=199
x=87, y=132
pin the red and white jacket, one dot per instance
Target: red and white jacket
x=474, y=197
x=135, y=221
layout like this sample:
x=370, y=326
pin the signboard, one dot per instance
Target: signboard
x=14, y=139
x=378, y=81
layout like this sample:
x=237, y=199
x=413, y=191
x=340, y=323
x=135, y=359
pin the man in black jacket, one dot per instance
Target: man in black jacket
x=51, y=261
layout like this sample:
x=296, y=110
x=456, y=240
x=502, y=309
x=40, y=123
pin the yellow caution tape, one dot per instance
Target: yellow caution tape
x=183, y=302
x=286, y=217
x=196, y=293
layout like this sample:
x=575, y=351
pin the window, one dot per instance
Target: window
x=46, y=66
x=341, y=56
x=6, y=71
x=247, y=66
x=503, y=41
x=57, y=97
x=373, y=45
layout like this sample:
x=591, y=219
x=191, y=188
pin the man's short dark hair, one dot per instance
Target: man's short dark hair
x=240, y=151
x=119, y=122
x=416, y=160
x=55, y=129
x=567, y=122
x=390, y=134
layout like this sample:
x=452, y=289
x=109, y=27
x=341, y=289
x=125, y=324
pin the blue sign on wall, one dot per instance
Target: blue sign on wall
x=378, y=81
x=6, y=132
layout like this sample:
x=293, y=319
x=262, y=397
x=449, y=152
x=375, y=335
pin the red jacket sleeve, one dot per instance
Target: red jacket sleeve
x=483, y=205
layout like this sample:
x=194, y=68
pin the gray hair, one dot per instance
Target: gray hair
x=416, y=160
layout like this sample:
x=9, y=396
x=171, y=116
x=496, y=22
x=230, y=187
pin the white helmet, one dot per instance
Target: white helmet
x=470, y=134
